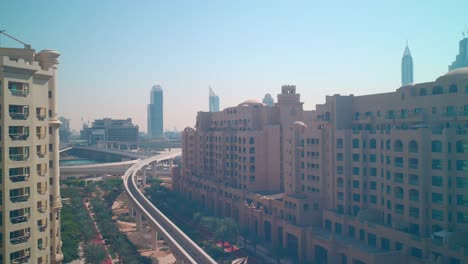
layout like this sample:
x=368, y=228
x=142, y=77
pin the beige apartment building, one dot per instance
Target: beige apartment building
x=30, y=193
x=372, y=179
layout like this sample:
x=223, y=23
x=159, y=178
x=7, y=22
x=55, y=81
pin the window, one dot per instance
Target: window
x=388, y=144
x=399, y=162
x=462, y=182
x=416, y=252
x=436, y=146
x=339, y=143
x=462, y=217
x=371, y=239
x=437, y=198
x=413, y=147
x=356, y=184
x=398, y=177
x=338, y=228
x=339, y=170
x=373, y=199
x=373, y=144
x=385, y=243
x=356, y=171
x=351, y=231
x=339, y=182
x=413, y=163
x=437, y=90
x=462, y=146
x=399, y=209
x=462, y=200
x=339, y=156
x=437, y=215
x=399, y=194
x=373, y=158
x=437, y=181
x=328, y=225
x=340, y=196
x=373, y=185
x=462, y=165
x=356, y=197
x=414, y=195
x=436, y=164
x=398, y=146
x=414, y=212
x=362, y=235
x=355, y=157
x=355, y=143
x=413, y=179
x=252, y=140
x=422, y=92
x=453, y=88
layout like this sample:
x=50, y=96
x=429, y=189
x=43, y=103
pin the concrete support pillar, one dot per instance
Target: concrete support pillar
x=138, y=221
x=154, y=169
x=144, y=175
x=130, y=208
x=154, y=238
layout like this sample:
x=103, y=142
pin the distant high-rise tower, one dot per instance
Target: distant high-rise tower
x=461, y=60
x=213, y=101
x=268, y=100
x=155, y=112
x=406, y=67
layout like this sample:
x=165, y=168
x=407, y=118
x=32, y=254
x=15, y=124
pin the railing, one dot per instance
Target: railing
x=19, y=219
x=42, y=172
x=19, y=115
x=19, y=198
x=20, y=239
x=42, y=228
x=19, y=157
x=18, y=89
x=20, y=260
x=19, y=177
x=19, y=136
x=42, y=246
x=41, y=117
x=40, y=135
x=42, y=209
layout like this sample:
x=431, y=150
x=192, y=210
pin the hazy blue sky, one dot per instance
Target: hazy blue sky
x=114, y=51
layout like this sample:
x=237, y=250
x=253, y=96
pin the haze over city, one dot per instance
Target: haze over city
x=114, y=51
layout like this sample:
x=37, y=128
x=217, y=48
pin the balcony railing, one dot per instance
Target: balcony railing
x=42, y=228
x=19, y=157
x=19, y=219
x=41, y=116
x=41, y=190
x=41, y=153
x=42, y=171
x=19, y=177
x=42, y=209
x=18, y=89
x=42, y=246
x=19, y=136
x=20, y=260
x=40, y=135
x=19, y=115
x=20, y=239
x=20, y=198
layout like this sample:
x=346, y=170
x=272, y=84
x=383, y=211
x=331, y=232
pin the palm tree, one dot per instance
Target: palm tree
x=94, y=254
x=121, y=247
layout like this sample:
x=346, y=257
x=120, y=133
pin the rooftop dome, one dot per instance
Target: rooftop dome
x=251, y=102
x=457, y=73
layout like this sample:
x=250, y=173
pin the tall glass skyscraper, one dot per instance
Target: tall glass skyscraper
x=461, y=60
x=155, y=112
x=406, y=68
x=213, y=101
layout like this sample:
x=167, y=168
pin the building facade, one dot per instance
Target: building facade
x=462, y=58
x=30, y=190
x=369, y=179
x=155, y=113
x=64, y=131
x=406, y=68
x=109, y=131
x=213, y=101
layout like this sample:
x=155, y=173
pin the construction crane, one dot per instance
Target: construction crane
x=26, y=46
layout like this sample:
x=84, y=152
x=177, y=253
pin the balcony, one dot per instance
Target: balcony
x=41, y=188
x=40, y=114
x=18, y=133
x=18, y=89
x=20, y=218
x=18, y=112
x=19, y=153
x=19, y=195
x=20, y=260
x=19, y=237
x=41, y=208
x=17, y=175
x=41, y=151
x=41, y=226
x=41, y=169
x=40, y=132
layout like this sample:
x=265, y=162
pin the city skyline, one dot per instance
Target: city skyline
x=172, y=44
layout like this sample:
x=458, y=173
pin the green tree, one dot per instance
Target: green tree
x=94, y=254
x=245, y=233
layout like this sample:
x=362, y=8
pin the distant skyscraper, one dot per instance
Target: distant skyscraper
x=155, y=113
x=406, y=67
x=213, y=101
x=268, y=100
x=461, y=60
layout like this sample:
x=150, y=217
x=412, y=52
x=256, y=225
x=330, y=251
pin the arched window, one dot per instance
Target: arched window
x=373, y=144
x=413, y=146
x=436, y=146
x=398, y=146
x=462, y=146
x=453, y=88
x=388, y=144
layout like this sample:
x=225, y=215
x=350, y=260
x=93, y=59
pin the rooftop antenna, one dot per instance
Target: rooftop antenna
x=26, y=46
